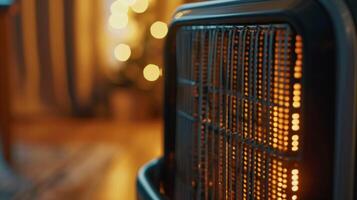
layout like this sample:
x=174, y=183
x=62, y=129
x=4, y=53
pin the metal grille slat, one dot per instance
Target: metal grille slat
x=235, y=120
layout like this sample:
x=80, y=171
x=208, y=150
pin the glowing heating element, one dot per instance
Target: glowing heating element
x=239, y=120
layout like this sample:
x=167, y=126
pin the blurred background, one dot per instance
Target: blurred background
x=81, y=95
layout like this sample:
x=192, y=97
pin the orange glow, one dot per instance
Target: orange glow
x=30, y=48
x=58, y=56
x=297, y=92
x=297, y=75
x=119, y=7
x=298, y=62
x=118, y=20
x=130, y=2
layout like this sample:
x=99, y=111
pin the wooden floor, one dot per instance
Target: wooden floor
x=64, y=158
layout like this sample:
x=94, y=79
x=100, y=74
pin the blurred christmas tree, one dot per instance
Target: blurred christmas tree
x=137, y=31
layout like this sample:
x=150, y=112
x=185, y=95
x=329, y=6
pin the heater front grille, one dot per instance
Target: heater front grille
x=238, y=130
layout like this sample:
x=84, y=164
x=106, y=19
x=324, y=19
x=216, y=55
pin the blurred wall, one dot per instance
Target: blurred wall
x=63, y=62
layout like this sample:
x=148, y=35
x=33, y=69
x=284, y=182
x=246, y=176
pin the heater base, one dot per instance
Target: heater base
x=148, y=181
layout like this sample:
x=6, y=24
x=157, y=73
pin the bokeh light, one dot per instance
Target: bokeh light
x=140, y=6
x=158, y=30
x=122, y=52
x=118, y=20
x=119, y=7
x=151, y=72
x=130, y=2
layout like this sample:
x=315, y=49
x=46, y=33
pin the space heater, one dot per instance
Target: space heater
x=260, y=102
